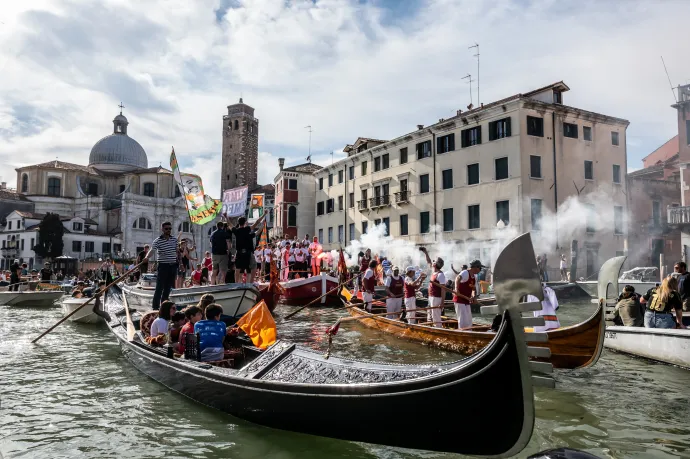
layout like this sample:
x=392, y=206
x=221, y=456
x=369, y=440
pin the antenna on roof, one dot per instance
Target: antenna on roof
x=669, y=79
x=470, y=82
x=309, y=157
x=476, y=45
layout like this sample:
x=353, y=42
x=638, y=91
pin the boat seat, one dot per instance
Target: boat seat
x=191, y=352
x=146, y=322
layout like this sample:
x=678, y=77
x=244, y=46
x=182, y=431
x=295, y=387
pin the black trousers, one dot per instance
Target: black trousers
x=164, y=283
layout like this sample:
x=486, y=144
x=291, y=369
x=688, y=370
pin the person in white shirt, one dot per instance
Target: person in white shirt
x=394, y=290
x=436, y=293
x=564, y=269
x=160, y=325
x=268, y=256
x=300, y=265
x=548, y=309
x=259, y=258
x=369, y=285
x=465, y=292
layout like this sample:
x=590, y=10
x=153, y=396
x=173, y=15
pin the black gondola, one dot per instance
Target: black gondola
x=428, y=407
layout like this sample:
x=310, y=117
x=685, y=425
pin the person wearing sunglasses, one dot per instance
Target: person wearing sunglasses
x=165, y=246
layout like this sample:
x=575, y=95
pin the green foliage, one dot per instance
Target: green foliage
x=50, y=232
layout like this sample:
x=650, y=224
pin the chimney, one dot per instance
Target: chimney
x=281, y=163
x=482, y=104
x=3, y=186
x=420, y=127
x=458, y=112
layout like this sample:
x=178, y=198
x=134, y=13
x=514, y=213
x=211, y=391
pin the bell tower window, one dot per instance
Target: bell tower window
x=149, y=189
x=25, y=183
x=237, y=125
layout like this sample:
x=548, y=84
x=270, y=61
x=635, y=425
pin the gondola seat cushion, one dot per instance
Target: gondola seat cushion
x=146, y=321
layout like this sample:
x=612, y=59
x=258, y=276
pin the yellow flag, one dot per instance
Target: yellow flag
x=346, y=294
x=259, y=325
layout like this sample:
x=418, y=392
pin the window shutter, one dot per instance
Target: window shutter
x=417, y=149
x=479, y=135
x=439, y=145
x=463, y=139
x=492, y=129
x=507, y=127
x=451, y=142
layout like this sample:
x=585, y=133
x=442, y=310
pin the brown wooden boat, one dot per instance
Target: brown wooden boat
x=571, y=347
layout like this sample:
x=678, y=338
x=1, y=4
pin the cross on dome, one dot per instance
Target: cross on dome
x=121, y=107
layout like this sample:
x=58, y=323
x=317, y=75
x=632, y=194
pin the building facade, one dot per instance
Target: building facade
x=679, y=216
x=294, y=202
x=240, y=155
x=486, y=175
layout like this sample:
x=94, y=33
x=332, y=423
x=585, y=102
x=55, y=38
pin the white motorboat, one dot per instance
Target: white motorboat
x=236, y=299
x=85, y=315
x=660, y=344
x=36, y=298
x=642, y=279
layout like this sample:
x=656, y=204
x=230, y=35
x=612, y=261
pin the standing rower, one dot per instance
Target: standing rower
x=548, y=309
x=411, y=286
x=394, y=290
x=314, y=251
x=465, y=293
x=369, y=285
x=437, y=280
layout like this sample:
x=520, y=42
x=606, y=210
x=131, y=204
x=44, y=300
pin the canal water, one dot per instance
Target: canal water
x=74, y=395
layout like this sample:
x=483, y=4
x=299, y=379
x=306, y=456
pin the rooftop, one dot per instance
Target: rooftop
x=55, y=164
x=35, y=216
x=307, y=168
x=12, y=195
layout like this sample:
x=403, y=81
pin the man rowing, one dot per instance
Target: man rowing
x=394, y=289
x=437, y=282
x=465, y=293
x=369, y=285
x=411, y=285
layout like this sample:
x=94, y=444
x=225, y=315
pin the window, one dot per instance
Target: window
x=570, y=130
x=403, y=225
x=403, y=184
x=472, y=136
x=117, y=248
x=591, y=218
x=501, y=165
x=340, y=176
x=352, y=200
x=9, y=225
x=503, y=212
x=377, y=164
x=687, y=131
x=330, y=206
x=364, y=168
x=616, y=173
x=32, y=244
x=76, y=246
x=377, y=221
x=589, y=170
x=424, y=149
x=385, y=161
x=364, y=196
x=321, y=235
x=448, y=219
x=53, y=186
x=587, y=133
x=330, y=234
x=617, y=219
x=183, y=227
x=351, y=172
x=656, y=213
x=177, y=191
x=473, y=217
x=557, y=97
x=92, y=189
x=142, y=223
x=352, y=231
x=292, y=216
x=25, y=183
x=536, y=214
x=319, y=208
x=445, y=144
x=22, y=245
x=149, y=189
x=535, y=126
x=88, y=247
x=105, y=247
x=614, y=138
x=330, y=180
x=77, y=226
x=447, y=179
x=341, y=206
x=320, y=183
x=535, y=166
x=341, y=233
x=237, y=125
x=403, y=155
x=424, y=222
x=424, y=183
x=122, y=188
x=387, y=224
x=472, y=174
x=292, y=184
x=499, y=129
x=365, y=226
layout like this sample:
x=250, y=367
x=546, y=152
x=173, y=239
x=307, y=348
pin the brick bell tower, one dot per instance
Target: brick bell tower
x=239, y=165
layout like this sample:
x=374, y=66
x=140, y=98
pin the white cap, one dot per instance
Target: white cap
x=410, y=268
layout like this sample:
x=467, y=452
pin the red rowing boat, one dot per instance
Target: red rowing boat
x=299, y=291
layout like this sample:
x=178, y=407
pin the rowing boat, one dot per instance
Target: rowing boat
x=291, y=388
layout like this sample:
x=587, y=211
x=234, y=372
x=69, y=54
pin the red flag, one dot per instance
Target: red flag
x=332, y=330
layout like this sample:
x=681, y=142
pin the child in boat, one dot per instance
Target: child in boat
x=196, y=275
x=159, y=327
x=211, y=334
x=193, y=314
x=178, y=320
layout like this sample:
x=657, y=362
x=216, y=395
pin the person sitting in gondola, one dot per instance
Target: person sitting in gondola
x=211, y=334
x=177, y=322
x=629, y=312
x=192, y=314
x=205, y=300
x=78, y=291
x=159, y=327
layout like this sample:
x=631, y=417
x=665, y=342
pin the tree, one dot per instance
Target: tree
x=50, y=232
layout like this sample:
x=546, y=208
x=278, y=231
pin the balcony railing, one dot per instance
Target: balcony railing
x=679, y=215
x=362, y=204
x=379, y=201
x=402, y=196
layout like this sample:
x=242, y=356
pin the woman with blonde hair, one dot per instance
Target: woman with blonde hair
x=205, y=300
x=659, y=302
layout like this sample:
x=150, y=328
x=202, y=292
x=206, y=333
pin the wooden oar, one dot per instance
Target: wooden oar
x=385, y=313
x=89, y=301
x=130, y=324
x=312, y=302
x=443, y=287
x=351, y=305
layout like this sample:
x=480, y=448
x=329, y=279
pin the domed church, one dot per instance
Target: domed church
x=119, y=197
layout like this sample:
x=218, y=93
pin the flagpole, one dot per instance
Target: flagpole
x=186, y=203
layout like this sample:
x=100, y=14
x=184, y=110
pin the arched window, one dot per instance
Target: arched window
x=177, y=191
x=149, y=189
x=183, y=227
x=237, y=125
x=292, y=216
x=142, y=223
x=53, y=186
x=25, y=183
x=93, y=189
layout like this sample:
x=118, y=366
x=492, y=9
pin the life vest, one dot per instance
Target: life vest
x=369, y=284
x=465, y=289
x=434, y=290
x=396, y=286
x=409, y=290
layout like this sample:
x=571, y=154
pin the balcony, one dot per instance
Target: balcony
x=362, y=204
x=679, y=215
x=379, y=201
x=10, y=250
x=402, y=196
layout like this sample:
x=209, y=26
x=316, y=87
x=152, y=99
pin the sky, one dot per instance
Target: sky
x=346, y=68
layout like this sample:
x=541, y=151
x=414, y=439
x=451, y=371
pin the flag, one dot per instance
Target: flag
x=259, y=325
x=346, y=294
x=202, y=208
x=263, y=239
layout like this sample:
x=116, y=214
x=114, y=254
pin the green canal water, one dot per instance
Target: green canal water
x=74, y=395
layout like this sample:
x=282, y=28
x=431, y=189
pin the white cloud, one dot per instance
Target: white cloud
x=347, y=68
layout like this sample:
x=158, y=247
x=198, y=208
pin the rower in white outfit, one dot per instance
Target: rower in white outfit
x=465, y=293
x=548, y=309
x=394, y=289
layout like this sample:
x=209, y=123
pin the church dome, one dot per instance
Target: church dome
x=118, y=152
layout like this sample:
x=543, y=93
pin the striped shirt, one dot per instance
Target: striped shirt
x=166, y=249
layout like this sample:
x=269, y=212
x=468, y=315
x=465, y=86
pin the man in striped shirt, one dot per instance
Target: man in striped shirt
x=166, y=247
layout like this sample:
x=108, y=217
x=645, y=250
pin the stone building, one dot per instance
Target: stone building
x=294, y=205
x=10, y=201
x=485, y=175
x=679, y=216
x=240, y=156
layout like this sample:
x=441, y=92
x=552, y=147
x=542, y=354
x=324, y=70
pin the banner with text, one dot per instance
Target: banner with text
x=235, y=202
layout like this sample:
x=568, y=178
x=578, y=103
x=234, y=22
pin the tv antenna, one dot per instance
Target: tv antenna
x=470, y=80
x=476, y=45
x=309, y=157
x=669, y=79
